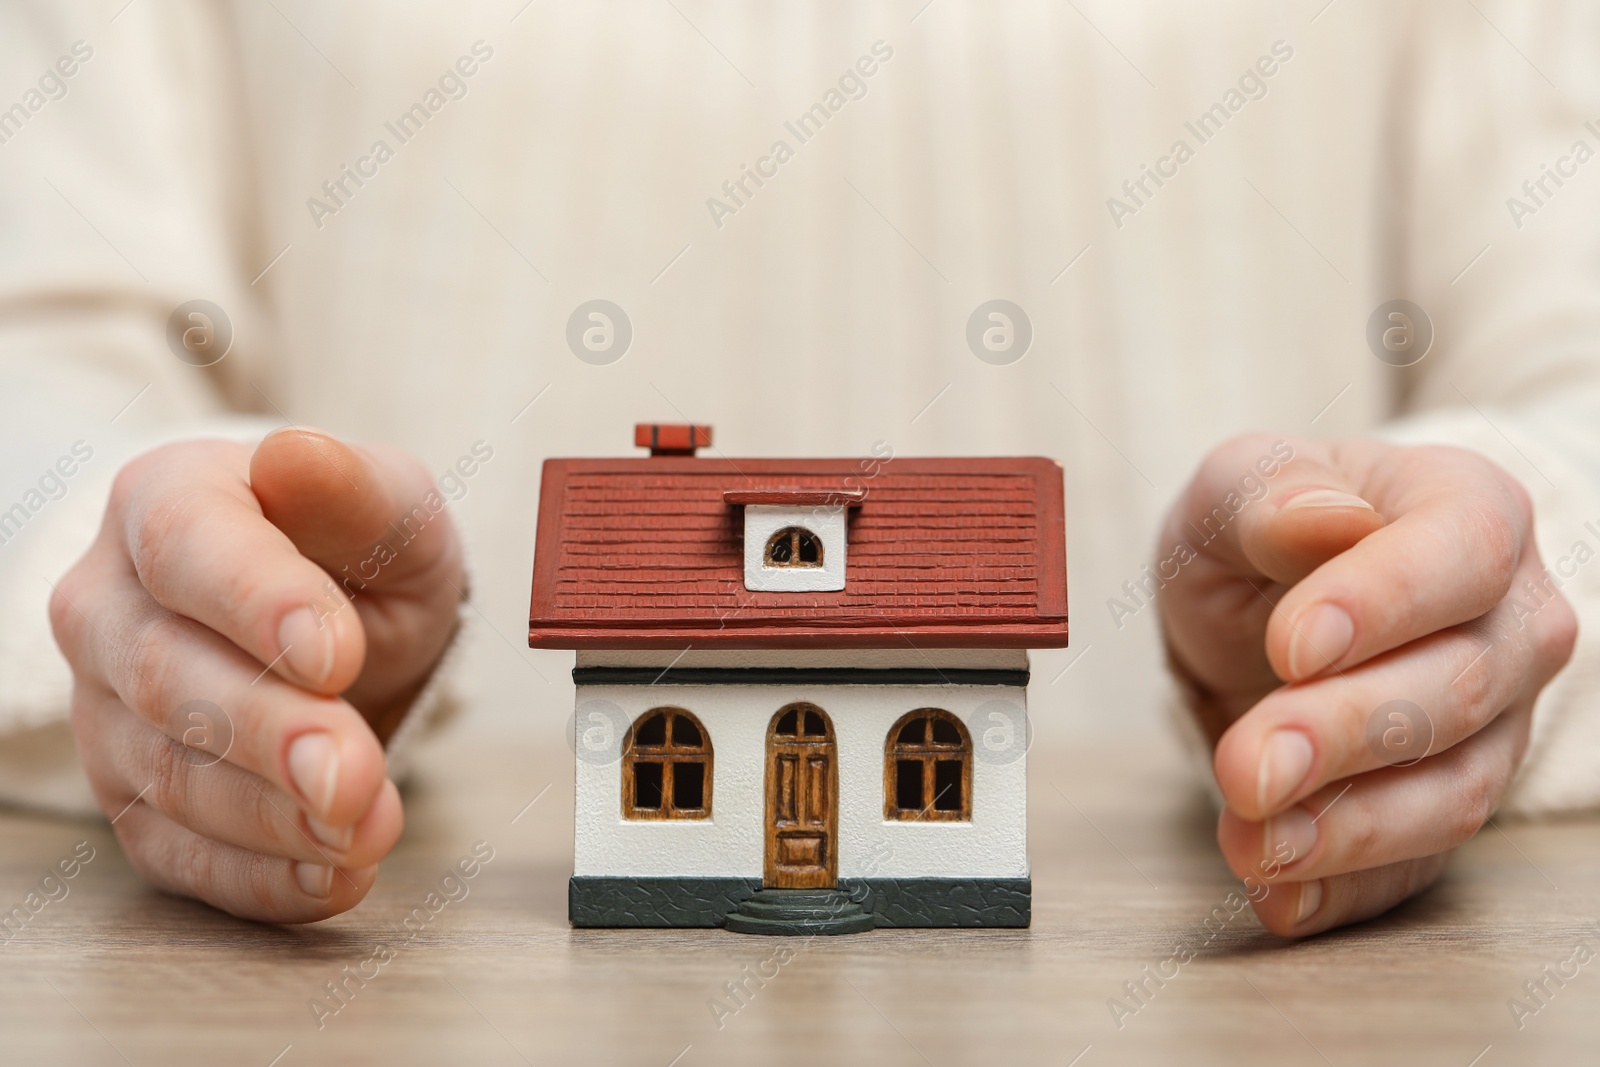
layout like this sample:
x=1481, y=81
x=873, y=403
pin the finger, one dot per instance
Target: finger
x=1300, y=737
x=1298, y=909
x=1385, y=816
x=243, y=883
x=336, y=502
x=1271, y=507
x=316, y=747
x=202, y=547
x=133, y=761
x=1457, y=533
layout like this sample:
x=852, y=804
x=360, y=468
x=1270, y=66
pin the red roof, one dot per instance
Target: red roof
x=647, y=553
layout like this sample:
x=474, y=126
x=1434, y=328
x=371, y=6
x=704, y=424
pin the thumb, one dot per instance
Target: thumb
x=368, y=512
x=320, y=492
x=1277, y=508
x=1311, y=511
x=372, y=518
x=1308, y=527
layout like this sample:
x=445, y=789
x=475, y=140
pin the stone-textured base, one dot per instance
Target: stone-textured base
x=595, y=901
x=892, y=902
x=945, y=901
x=799, y=913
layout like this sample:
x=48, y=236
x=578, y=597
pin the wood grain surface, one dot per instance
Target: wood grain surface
x=1124, y=870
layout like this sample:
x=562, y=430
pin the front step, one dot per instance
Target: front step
x=799, y=912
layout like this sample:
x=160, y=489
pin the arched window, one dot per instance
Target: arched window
x=793, y=546
x=804, y=722
x=666, y=767
x=927, y=769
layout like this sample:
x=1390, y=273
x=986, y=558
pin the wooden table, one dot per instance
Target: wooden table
x=1124, y=868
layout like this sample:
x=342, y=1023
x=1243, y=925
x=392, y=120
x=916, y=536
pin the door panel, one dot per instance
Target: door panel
x=802, y=800
x=816, y=790
x=798, y=851
x=783, y=766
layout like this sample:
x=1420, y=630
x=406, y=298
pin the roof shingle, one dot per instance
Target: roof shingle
x=645, y=553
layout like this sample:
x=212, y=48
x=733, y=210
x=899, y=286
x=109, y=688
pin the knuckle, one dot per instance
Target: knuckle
x=148, y=664
x=191, y=861
x=265, y=820
x=167, y=769
x=1463, y=820
x=1498, y=546
x=155, y=539
x=1476, y=688
x=136, y=485
x=1557, y=635
x=164, y=860
x=1521, y=501
x=90, y=712
x=1471, y=468
x=1479, y=789
x=1516, y=500
x=81, y=712
x=259, y=882
x=162, y=545
x=65, y=622
x=134, y=477
x=237, y=588
x=1363, y=839
x=128, y=484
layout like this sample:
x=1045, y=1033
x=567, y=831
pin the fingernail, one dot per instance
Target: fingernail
x=1310, y=901
x=297, y=429
x=306, y=645
x=1289, y=836
x=1325, y=498
x=314, y=766
x=1321, y=638
x=338, y=837
x=315, y=879
x=1285, y=761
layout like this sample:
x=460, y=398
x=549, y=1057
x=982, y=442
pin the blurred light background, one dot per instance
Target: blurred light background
x=595, y=151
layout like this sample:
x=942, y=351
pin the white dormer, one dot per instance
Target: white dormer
x=794, y=540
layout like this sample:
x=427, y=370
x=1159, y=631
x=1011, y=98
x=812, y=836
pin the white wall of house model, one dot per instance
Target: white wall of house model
x=730, y=843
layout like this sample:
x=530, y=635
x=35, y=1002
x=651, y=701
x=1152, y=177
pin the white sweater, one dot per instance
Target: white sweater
x=809, y=299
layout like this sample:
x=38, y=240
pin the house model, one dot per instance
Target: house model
x=801, y=683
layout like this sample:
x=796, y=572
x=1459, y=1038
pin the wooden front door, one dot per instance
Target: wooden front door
x=802, y=800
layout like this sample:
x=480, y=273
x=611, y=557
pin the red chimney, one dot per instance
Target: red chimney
x=671, y=438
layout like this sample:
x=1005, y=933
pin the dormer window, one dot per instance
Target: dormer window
x=794, y=546
x=795, y=539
